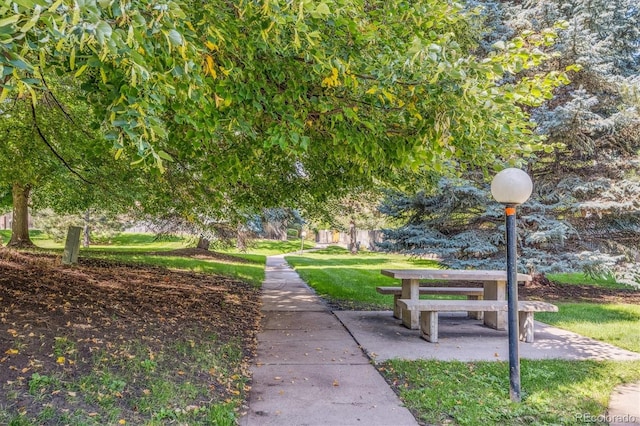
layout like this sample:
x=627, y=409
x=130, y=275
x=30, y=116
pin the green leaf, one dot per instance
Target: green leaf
x=81, y=70
x=175, y=38
x=34, y=19
x=103, y=31
x=323, y=9
x=21, y=64
x=10, y=20
x=164, y=155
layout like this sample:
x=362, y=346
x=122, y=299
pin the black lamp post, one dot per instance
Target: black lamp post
x=512, y=187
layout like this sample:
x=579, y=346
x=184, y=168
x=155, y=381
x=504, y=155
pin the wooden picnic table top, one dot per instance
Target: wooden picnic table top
x=451, y=274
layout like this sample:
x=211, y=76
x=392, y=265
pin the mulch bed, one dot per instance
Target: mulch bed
x=541, y=288
x=103, y=304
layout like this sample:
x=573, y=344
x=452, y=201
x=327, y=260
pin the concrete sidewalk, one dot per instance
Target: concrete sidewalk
x=309, y=370
x=314, y=367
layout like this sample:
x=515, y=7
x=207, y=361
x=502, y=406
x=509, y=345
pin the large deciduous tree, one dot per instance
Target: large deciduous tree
x=51, y=156
x=281, y=102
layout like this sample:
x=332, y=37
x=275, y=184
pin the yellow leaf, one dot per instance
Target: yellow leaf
x=76, y=16
x=80, y=70
x=210, y=67
x=332, y=80
x=61, y=360
x=218, y=100
x=54, y=6
x=12, y=352
x=122, y=422
x=211, y=46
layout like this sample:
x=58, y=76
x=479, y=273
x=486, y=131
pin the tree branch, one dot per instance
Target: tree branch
x=62, y=109
x=53, y=150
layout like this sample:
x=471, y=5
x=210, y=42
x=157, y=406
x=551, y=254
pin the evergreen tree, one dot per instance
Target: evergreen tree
x=585, y=210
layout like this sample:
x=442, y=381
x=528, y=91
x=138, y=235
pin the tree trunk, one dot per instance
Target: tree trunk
x=241, y=239
x=203, y=243
x=353, y=244
x=87, y=230
x=20, y=222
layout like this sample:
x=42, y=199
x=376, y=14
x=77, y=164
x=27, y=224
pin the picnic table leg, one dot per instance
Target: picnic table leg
x=495, y=290
x=429, y=326
x=397, y=312
x=410, y=290
x=478, y=315
x=526, y=326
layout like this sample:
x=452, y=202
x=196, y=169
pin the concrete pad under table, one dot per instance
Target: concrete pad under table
x=463, y=339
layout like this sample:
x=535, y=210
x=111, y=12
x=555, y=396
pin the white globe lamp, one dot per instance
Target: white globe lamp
x=511, y=187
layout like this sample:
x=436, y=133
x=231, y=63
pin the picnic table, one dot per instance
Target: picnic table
x=494, y=285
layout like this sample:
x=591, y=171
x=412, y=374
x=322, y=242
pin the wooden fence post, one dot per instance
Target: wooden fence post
x=72, y=246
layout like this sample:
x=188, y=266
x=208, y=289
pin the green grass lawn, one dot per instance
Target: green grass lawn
x=270, y=247
x=351, y=280
x=578, y=278
x=554, y=392
x=251, y=271
x=139, y=248
x=618, y=323
x=129, y=242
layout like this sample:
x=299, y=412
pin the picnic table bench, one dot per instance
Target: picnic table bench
x=472, y=293
x=428, y=311
x=494, y=284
